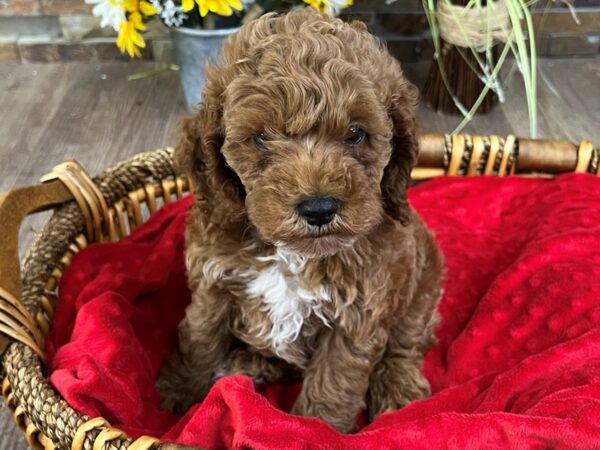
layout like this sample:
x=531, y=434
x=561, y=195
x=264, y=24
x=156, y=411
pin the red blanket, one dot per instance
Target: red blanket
x=517, y=364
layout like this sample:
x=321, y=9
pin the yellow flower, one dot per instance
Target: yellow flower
x=332, y=7
x=317, y=4
x=137, y=20
x=147, y=9
x=220, y=7
x=141, y=6
x=129, y=39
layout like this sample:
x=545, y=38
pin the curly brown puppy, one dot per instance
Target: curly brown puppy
x=303, y=254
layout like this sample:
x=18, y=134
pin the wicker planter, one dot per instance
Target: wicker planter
x=463, y=30
x=110, y=206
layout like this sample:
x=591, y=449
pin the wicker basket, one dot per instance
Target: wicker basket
x=111, y=205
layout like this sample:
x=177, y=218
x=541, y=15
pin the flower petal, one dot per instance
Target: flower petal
x=137, y=21
x=187, y=5
x=236, y=4
x=130, y=5
x=137, y=39
x=147, y=9
x=203, y=4
x=219, y=7
x=316, y=4
x=122, y=38
x=130, y=49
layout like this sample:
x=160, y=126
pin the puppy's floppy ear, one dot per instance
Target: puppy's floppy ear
x=405, y=147
x=198, y=155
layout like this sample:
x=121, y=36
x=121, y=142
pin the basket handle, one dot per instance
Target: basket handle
x=16, y=322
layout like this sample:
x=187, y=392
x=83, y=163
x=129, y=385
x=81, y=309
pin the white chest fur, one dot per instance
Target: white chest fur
x=286, y=302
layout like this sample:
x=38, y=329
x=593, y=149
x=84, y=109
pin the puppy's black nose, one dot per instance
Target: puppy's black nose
x=318, y=211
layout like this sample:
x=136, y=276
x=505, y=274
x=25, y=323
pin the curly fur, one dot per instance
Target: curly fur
x=349, y=306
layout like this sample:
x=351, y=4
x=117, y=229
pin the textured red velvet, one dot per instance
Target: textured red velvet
x=517, y=364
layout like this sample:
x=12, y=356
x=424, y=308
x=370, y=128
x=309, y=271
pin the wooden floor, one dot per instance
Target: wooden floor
x=90, y=112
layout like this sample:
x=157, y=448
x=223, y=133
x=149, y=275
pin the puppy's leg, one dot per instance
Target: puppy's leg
x=243, y=361
x=204, y=342
x=337, y=379
x=397, y=379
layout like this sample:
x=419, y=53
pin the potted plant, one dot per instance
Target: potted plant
x=198, y=27
x=472, y=40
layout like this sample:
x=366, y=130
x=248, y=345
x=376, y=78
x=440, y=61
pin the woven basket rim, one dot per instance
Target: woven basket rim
x=40, y=411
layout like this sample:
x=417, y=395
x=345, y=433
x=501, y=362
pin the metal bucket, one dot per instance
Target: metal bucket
x=193, y=48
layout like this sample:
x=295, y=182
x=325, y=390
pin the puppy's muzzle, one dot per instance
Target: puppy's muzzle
x=318, y=211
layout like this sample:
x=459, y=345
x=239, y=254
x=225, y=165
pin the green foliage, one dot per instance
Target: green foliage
x=520, y=43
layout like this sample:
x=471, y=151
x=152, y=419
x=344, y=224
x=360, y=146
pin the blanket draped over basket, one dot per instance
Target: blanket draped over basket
x=517, y=363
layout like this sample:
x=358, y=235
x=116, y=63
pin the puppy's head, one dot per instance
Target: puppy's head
x=307, y=129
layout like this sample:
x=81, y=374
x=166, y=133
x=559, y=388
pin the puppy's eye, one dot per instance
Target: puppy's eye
x=259, y=141
x=356, y=135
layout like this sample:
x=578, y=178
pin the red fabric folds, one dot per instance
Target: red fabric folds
x=517, y=364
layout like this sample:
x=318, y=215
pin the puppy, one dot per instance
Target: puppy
x=304, y=257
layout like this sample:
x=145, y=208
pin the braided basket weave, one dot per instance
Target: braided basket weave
x=110, y=206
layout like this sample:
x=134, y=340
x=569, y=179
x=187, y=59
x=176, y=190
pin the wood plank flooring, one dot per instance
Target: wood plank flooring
x=90, y=112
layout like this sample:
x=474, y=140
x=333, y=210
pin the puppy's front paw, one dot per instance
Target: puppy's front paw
x=395, y=395
x=177, y=390
x=338, y=418
x=175, y=397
